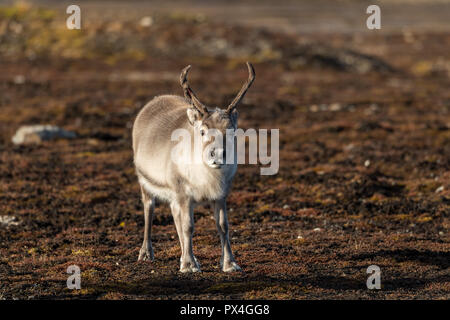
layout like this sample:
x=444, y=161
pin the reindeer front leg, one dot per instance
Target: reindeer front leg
x=188, y=262
x=227, y=261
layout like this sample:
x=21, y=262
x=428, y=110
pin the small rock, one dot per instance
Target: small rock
x=299, y=237
x=19, y=79
x=146, y=22
x=314, y=108
x=8, y=221
x=93, y=142
x=323, y=107
x=335, y=107
x=440, y=189
x=441, y=233
x=286, y=206
x=349, y=147
x=367, y=163
x=39, y=133
x=317, y=229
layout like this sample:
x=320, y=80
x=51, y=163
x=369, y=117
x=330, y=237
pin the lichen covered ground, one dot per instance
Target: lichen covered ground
x=364, y=173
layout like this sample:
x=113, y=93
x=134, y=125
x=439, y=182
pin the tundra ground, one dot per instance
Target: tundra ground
x=364, y=160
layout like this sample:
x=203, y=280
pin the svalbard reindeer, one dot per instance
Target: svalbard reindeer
x=184, y=184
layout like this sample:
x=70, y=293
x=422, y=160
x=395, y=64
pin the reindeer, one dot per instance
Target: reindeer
x=182, y=184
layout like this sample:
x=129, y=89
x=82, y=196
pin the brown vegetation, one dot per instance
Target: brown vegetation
x=364, y=163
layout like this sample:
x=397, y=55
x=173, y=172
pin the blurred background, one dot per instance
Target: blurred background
x=364, y=147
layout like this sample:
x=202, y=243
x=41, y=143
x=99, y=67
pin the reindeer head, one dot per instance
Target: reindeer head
x=212, y=123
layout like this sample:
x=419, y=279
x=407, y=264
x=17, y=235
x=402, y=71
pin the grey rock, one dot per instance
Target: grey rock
x=39, y=133
x=7, y=221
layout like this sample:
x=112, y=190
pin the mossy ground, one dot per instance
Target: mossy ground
x=362, y=157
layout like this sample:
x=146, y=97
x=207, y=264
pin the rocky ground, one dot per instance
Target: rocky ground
x=364, y=160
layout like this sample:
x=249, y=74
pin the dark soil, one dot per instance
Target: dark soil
x=364, y=173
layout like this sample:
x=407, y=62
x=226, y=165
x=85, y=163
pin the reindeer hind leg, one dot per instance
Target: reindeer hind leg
x=146, y=252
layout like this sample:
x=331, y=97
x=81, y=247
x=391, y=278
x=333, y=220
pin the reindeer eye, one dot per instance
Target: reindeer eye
x=202, y=132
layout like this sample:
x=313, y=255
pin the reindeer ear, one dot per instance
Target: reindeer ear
x=193, y=115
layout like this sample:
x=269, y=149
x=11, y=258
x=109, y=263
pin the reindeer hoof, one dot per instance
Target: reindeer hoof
x=146, y=254
x=190, y=269
x=192, y=266
x=231, y=267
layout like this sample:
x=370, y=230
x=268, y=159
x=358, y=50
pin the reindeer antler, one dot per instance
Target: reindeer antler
x=241, y=94
x=188, y=93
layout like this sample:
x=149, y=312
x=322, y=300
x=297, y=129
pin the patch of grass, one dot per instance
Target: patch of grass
x=82, y=252
x=424, y=219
